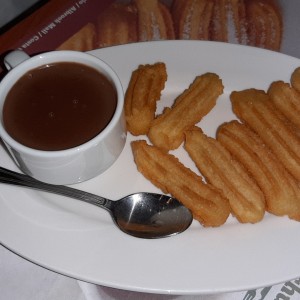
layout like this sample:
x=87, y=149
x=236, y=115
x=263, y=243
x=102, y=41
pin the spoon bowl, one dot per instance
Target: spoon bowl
x=142, y=215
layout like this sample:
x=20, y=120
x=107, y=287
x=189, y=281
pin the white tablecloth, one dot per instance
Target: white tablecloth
x=23, y=280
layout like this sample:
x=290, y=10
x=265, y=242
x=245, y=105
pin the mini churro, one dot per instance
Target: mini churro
x=154, y=21
x=281, y=191
x=165, y=171
x=287, y=100
x=167, y=130
x=256, y=109
x=192, y=19
x=220, y=169
x=264, y=24
x=117, y=25
x=143, y=91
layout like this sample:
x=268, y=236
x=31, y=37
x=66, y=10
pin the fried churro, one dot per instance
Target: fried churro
x=192, y=19
x=144, y=90
x=220, y=169
x=256, y=109
x=287, y=100
x=117, y=25
x=154, y=21
x=167, y=130
x=229, y=21
x=165, y=171
x=281, y=191
x=264, y=23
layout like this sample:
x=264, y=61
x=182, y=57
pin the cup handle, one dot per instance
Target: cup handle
x=14, y=58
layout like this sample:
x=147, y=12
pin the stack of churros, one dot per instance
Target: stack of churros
x=166, y=131
x=249, y=22
x=252, y=166
x=136, y=21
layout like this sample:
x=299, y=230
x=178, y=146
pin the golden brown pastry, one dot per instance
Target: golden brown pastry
x=154, y=21
x=229, y=21
x=192, y=19
x=264, y=23
x=167, y=130
x=281, y=191
x=256, y=109
x=287, y=100
x=117, y=25
x=249, y=22
x=225, y=173
x=165, y=171
x=143, y=91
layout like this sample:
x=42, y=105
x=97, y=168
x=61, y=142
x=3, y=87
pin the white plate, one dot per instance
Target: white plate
x=81, y=241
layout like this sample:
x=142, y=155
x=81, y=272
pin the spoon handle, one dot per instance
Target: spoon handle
x=11, y=177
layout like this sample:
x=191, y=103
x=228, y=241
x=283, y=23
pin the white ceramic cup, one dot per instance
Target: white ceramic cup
x=75, y=164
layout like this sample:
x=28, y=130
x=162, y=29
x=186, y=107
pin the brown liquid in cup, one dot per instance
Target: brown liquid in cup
x=59, y=106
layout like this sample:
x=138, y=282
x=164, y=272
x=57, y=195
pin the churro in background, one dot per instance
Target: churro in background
x=192, y=19
x=249, y=22
x=154, y=21
x=117, y=25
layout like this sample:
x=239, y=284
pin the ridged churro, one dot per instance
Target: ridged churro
x=248, y=22
x=192, y=19
x=220, y=169
x=228, y=21
x=165, y=171
x=117, y=25
x=144, y=90
x=154, y=21
x=281, y=191
x=264, y=23
x=167, y=130
x=236, y=12
x=256, y=109
x=287, y=100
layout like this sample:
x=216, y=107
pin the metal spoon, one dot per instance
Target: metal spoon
x=143, y=215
